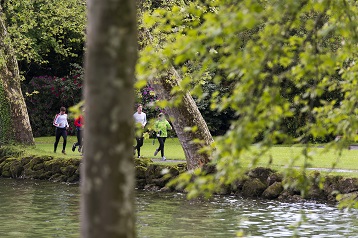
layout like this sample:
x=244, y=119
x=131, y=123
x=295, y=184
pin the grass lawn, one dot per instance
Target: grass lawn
x=44, y=146
x=280, y=156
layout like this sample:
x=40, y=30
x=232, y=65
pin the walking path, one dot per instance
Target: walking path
x=318, y=169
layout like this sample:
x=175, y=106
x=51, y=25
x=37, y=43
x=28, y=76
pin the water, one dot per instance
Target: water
x=44, y=209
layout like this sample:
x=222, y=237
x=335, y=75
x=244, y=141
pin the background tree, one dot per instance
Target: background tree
x=46, y=37
x=108, y=170
x=18, y=128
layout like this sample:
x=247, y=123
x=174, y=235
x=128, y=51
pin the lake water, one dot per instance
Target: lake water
x=44, y=209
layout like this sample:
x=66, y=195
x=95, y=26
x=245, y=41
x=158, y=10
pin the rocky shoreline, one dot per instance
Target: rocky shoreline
x=258, y=183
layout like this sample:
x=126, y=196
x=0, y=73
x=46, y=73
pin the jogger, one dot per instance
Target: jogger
x=161, y=127
x=140, y=119
x=79, y=124
x=61, y=124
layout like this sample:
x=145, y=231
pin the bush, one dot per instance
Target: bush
x=44, y=95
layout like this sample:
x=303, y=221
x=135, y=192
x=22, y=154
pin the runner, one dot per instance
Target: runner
x=61, y=124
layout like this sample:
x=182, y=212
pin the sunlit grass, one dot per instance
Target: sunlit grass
x=277, y=158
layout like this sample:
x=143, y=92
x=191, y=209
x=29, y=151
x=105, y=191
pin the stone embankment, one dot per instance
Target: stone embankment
x=257, y=183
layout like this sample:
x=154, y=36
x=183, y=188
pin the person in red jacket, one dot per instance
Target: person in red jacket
x=79, y=126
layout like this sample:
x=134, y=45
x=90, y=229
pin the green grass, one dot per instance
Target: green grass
x=279, y=156
x=44, y=146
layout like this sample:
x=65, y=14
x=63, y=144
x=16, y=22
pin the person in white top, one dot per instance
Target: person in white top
x=61, y=124
x=140, y=119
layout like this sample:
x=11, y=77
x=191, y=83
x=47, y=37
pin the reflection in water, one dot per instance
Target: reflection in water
x=43, y=209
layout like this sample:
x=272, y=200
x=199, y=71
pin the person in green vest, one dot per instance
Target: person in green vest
x=161, y=128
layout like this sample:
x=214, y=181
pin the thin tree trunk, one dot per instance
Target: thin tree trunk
x=10, y=81
x=185, y=115
x=107, y=208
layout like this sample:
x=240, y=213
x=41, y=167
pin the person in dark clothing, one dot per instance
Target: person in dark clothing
x=79, y=126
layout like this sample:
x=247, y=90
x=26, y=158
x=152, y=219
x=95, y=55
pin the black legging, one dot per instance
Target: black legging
x=79, y=137
x=161, y=145
x=60, y=132
x=139, y=144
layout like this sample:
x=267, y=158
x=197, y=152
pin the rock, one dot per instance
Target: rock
x=58, y=178
x=273, y=191
x=165, y=189
x=260, y=173
x=236, y=186
x=74, y=178
x=224, y=190
x=69, y=170
x=160, y=182
x=154, y=171
x=314, y=193
x=348, y=185
x=142, y=162
x=348, y=198
x=5, y=168
x=141, y=183
x=151, y=187
x=140, y=172
x=53, y=165
x=174, y=171
x=253, y=188
x=16, y=169
x=273, y=178
x=330, y=185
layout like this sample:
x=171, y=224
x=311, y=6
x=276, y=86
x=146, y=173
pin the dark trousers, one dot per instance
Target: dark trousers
x=60, y=132
x=79, y=137
x=161, y=145
x=139, y=144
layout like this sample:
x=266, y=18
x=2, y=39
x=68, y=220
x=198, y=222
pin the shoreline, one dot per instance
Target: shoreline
x=257, y=183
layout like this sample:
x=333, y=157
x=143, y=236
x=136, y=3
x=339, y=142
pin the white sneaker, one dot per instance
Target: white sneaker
x=164, y=159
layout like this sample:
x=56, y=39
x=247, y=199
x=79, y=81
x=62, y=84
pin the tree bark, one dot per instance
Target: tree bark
x=20, y=128
x=107, y=208
x=185, y=115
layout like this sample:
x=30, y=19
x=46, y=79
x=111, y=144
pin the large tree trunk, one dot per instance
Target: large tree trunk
x=107, y=208
x=185, y=115
x=20, y=126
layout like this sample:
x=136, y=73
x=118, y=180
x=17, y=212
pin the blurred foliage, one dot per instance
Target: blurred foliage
x=291, y=66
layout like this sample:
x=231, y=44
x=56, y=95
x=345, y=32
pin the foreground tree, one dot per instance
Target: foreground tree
x=108, y=171
x=18, y=127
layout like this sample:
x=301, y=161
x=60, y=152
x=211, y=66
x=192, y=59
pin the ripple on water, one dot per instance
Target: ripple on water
x=43, y=208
